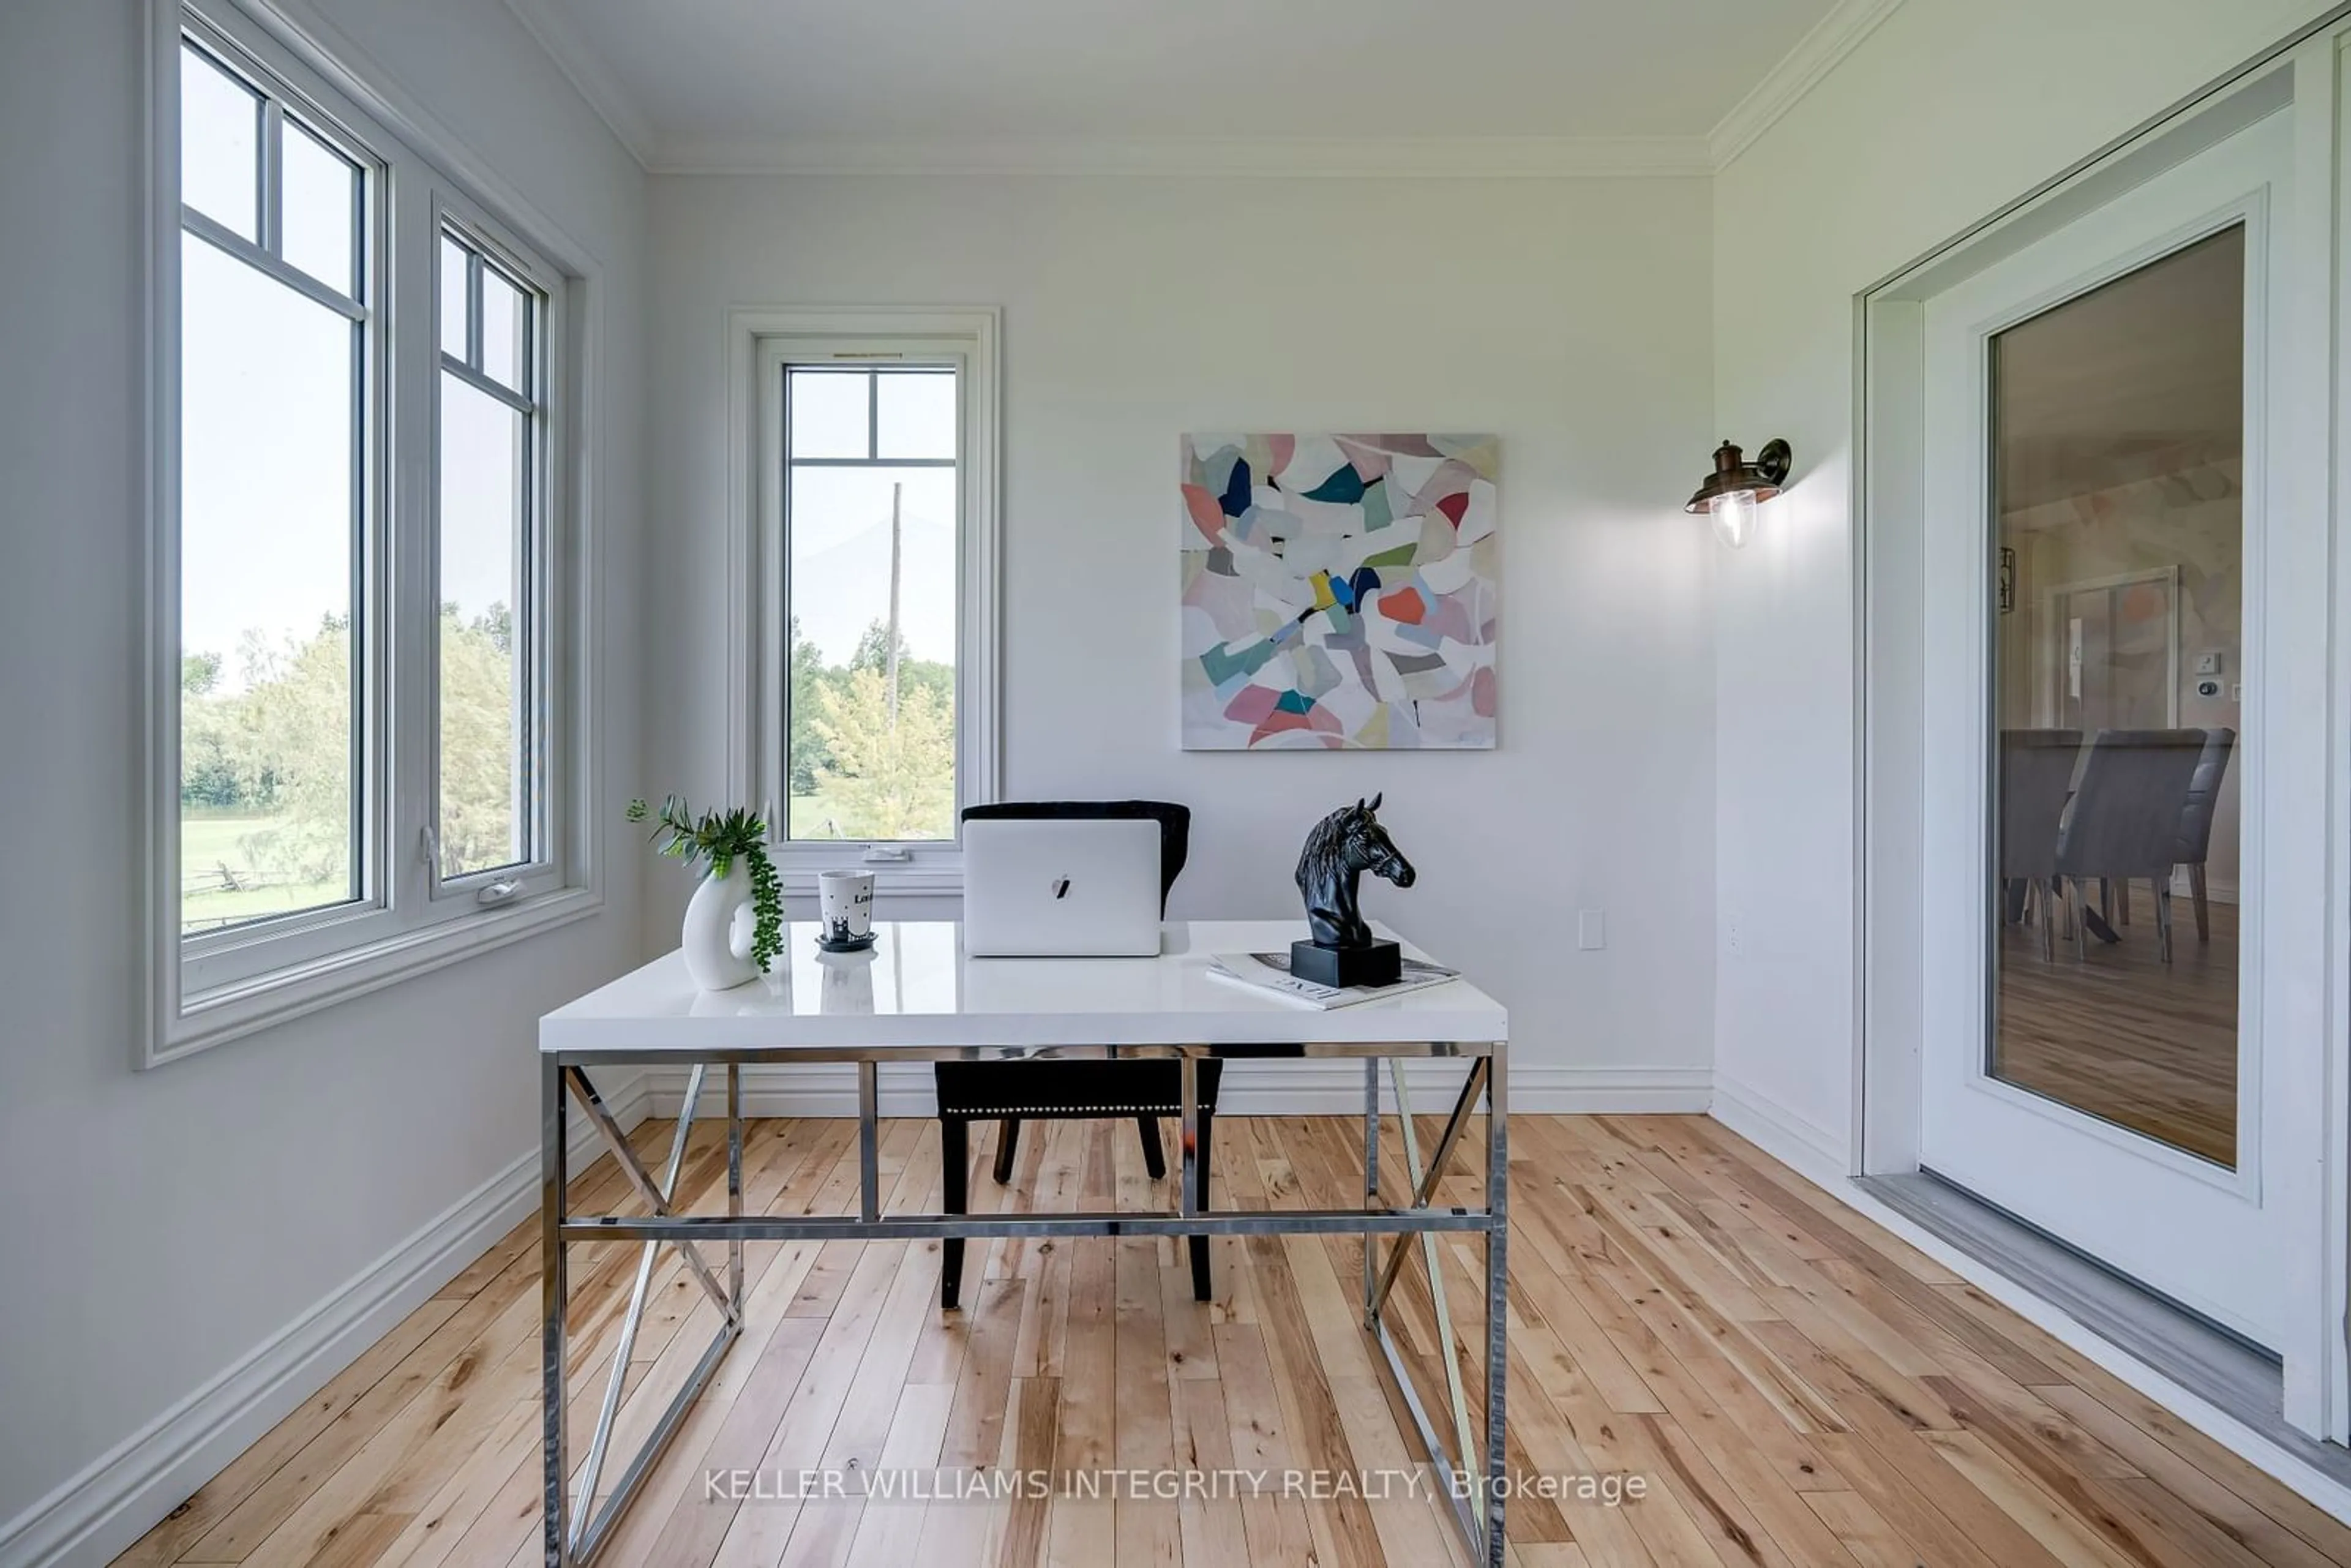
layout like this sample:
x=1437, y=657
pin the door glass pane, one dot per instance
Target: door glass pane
x=485, y=750
x=871, y=546
x=321, y=208
x=220, y=145
x=2117, y=638
x=270, y=452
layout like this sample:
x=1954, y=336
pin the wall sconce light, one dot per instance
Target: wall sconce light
x=1732, y=491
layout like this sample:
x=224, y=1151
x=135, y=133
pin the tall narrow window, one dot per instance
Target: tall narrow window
x=277, y=325
x=490, y=441
x=363, y=656
x=872, y=574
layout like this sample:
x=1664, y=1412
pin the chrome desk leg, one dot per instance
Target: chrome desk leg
x=869, y=1145
x=634, y=1169
x=1424, y=1188
x=1370, y=1174
x=1498, y=1294
x=583, y=1496
x=1472, y=1486
x=735, y=1180
x=1454, y=1393
x=577, y=1539
x=552, y=1178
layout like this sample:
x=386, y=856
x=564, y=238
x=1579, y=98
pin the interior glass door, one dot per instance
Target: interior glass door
x=2097, y=441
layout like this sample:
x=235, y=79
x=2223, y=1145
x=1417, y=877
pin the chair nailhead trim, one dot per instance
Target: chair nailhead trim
x=1071, y=1112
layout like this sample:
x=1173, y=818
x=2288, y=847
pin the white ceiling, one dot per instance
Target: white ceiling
x=1514, y=85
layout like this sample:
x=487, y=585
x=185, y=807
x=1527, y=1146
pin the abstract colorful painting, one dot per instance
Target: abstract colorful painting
x=1339, y=591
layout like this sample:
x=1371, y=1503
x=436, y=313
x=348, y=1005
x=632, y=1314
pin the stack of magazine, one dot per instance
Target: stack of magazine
x=1269, y=972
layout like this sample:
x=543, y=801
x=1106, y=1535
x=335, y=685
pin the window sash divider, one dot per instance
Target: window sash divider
x=514, y=400
x=226, y=239
x=473, y=307
x=870, y=461
x=270, y=221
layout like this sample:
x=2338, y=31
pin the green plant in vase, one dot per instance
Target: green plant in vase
x=733, y=846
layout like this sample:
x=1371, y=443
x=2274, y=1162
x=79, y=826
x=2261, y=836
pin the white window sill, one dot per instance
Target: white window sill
x=890, y=880
x=935, y=870
x=227, y=1012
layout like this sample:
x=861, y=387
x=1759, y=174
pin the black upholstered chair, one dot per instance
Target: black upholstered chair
x=2196, y=821
x=1009, y=1093
x=2036, y=778
x=2127, y=816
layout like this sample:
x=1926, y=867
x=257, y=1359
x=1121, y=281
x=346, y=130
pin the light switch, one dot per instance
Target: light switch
x=1591, y=929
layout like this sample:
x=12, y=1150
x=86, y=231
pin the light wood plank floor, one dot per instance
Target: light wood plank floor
x=2122, y=1034
x=1796, y=1388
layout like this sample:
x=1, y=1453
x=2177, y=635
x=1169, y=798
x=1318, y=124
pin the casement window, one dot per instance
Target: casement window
x=871, y=719
x=487, y=569
x=361, y=711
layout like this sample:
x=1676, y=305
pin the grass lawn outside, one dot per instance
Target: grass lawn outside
x=820, y=816
x=213, y=856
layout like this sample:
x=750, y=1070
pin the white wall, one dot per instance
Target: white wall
x=1568, y=316
x=1950, y=109
x=157, y=1228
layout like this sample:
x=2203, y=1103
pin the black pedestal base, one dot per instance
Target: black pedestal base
x=1381, y=964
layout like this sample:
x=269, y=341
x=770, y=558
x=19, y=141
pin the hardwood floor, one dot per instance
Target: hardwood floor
x=2125, y=1036
x=1795, y=1387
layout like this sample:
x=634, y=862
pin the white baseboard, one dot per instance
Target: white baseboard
x=1611, y=1091
x=1251, y=1088
x=95, y=1515
x=1787, y=1136
x=1819, y=1157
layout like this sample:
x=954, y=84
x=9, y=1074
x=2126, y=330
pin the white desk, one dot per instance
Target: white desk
x=915, y=998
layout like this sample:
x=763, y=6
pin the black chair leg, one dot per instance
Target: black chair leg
x=955, y=1175
x=1007, y=1140
x=1201, y=1289
x=1155, y=1158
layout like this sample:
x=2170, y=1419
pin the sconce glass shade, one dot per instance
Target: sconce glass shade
x=1733, y=512
x=1736, y=487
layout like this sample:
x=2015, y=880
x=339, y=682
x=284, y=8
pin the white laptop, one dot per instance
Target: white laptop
x=1060, y=888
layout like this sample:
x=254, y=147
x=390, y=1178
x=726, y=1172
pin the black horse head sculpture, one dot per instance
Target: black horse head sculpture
x=1342, y=846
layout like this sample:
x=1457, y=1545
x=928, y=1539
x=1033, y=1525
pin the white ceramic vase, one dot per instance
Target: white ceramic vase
x=719, y=927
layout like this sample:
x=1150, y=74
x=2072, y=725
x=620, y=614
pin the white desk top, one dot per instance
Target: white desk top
x=916, y=990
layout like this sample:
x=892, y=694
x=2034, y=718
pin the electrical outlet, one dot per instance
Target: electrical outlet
x=1732, y=938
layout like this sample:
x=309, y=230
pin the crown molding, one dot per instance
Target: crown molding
x=1830, y=40
x=544, y=20
x=1816, y=54
x=1496, y=157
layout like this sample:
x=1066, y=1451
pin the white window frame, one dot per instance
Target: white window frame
x=541, y=870
x=762, y=344
x=211, y=987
